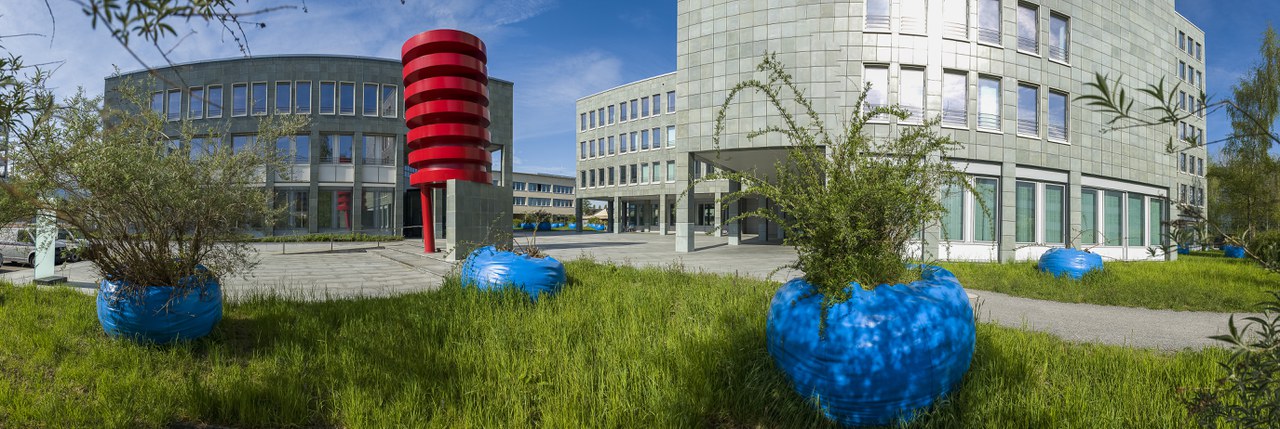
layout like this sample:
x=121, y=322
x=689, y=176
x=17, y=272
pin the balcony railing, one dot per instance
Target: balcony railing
x=914, y=114
x=989, y=121
x=1059, y=53
x=957, y=117
x=1058, y=132
x=989, y=35
x=1028, y=44
x=1029, y=127
x=955, y=30
x=877, y=23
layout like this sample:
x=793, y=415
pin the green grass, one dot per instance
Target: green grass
x=325, y=237
x=619, y=347
x=1203, y=281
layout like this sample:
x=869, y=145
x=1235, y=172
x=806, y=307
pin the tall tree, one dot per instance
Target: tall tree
x=1248, y=198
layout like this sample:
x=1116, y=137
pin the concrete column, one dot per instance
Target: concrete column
x=397, y=203
x=577, y=213
x=642, y=209
x=615, y=215
x=685, y=208
x=716, y=225
x=662, y=213
x=508, y=164
x=357, y=185
x=734, y=228
x=1006, y=224
x=313, y=187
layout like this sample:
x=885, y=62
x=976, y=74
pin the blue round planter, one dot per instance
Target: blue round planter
x=489, y=269
x=1184, y=250
x=157, y=315
x=887, y=353
x=1232, y=251
x=1072, y=263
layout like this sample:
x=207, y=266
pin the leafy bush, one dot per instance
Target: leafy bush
x=151, y=205
x=1266, y=247
x=848, y=203
x=1249, y=396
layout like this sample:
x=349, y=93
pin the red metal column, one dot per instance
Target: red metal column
x=446, y=102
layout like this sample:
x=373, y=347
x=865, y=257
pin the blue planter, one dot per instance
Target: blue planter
x=489, y=269
x=157, y=315
x=1232, y=251
x=1072, y=263
x=1184, y=250
x=887, y=353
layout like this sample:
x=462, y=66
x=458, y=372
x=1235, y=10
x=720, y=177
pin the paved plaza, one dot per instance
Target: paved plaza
x=352, y=270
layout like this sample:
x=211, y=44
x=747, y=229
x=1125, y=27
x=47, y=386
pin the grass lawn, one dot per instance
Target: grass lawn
x=1204, y=281
x=619, y=347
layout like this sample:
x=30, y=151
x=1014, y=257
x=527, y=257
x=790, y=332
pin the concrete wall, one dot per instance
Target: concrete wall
x=477, y=215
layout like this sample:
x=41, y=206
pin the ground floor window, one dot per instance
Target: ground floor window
x=379, y=210
x=971, y=216
x=706, y=214
x=1123, y=218
x=334, y=209
x=293, y=204
x=1040, y=209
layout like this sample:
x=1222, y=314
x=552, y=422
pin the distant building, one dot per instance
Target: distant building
x=551, y=193
x=349, y=164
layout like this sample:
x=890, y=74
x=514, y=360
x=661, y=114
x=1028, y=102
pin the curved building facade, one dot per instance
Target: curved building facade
x=349, y=163
x=1003, y=76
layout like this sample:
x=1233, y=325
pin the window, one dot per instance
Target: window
x=914, y=16
x=390, y=101
x=633, y=174
x=294, y=150
x=622, y=111
x=1182, y=41
x=986, y=210
x=611, y=114
x=622, y=175
x=1155, y=221
x=955, y=19
x=259, y=103
x=195, y=103
x=1028, y=110
x=1113, y=220
x=644, y=173
x=1028, y=29
x=671, y=136
x=240, y=144
x=911, y=94
x=1182, y=100
x=582, y=119
x=953, y=218
x=657, y=104
x=988, y=103
x=1137, y=233
x=671, y=171
x=517, y=186
x=336, y=149
x=583, y=179
x=592, y=178
x=239, y=99
x=157, y=103
x=591, y=119
x=878, y=96
x=657, y=172
x=199, y=148
x=1199, y=78
x=582, y=150
x=174, y=110
x=284, y=97
x=989, y=21
x=657, y=137
x=1025, y=205
x=611, y=145
x=334, y=209
x=1059, y=37
x=591, y=148
x=622, y=143
x=327, y=95
x=371, y=107
x=1190, y=45
x=1089, y=217
x=635, y=110
x=1058, y=116
x=1182, y=162
x=634, y=141
x=379, y=150
x=293, y=204
x=302, y=97
x=600, y=114
x=671, y=101
x=519, y=201
x=878, y=17
x=346, y=98
x=1055, y=214
x=1191, y=75
x=1182, y=70
x=1199, y=52
x=1182, y=192
x=644, y=107
x=215, y=101
x=1200, y=167
x=644, y=139
x=600, y=147
x=611, y=176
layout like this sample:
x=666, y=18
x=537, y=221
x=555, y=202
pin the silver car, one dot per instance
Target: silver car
x=19, y=245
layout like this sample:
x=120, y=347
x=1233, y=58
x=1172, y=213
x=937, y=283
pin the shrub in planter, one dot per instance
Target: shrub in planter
x=155, y=206
x=488, y=268
x=1073, y=263
x=1233, y=251
x=870, y=354
x=161, y=314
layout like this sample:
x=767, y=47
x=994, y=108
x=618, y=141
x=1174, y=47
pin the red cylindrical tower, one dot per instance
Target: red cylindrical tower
x=446, y=103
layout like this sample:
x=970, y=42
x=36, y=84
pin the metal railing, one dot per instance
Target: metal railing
x=955, y=117
x=877, y=23
x=987, y=35
x=1028, y=44
x=1029, y=127
x=955, y=30
x=1058, y=132
x=1059, y=53
x=914, y=114
x=988, y=121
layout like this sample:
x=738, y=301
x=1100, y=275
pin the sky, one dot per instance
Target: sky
x=555, y=51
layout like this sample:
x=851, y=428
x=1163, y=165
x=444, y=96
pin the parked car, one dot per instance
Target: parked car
x=18, y=244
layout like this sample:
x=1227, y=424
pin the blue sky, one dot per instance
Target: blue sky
x=554, y=50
